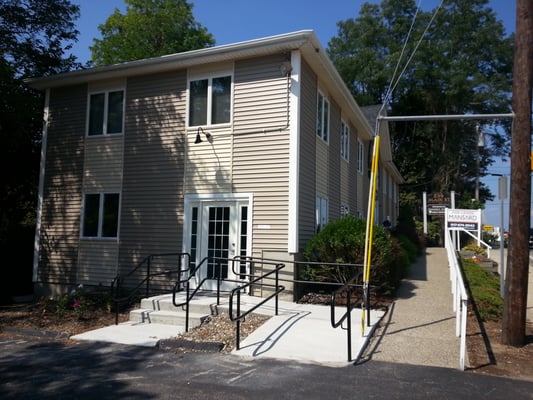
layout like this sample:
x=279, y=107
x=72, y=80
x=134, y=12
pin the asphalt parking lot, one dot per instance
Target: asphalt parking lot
x=44, y=369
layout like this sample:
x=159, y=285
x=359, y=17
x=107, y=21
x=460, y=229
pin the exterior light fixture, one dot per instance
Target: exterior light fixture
x=207, y=135
x=285, y=68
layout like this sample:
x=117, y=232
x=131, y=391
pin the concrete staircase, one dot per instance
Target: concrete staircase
x=161, y=310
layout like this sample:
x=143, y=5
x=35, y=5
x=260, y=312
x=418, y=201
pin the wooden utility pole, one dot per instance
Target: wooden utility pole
x=516, y=280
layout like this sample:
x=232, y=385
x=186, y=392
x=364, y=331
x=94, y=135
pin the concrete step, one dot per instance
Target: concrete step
x=201, y=304
x=177, y=318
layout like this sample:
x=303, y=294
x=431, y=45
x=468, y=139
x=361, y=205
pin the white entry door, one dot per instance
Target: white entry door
x=218, y=232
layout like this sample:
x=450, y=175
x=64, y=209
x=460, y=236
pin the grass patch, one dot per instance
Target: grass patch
x=485, y=289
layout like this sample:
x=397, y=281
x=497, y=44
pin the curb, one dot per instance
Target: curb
x=209, y=347
x=36, y=333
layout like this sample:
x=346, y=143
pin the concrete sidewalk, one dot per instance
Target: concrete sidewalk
x=419, y=327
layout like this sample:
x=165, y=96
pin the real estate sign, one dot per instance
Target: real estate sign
x=459, y=219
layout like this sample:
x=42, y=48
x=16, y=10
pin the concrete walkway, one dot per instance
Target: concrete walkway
x=420, y=325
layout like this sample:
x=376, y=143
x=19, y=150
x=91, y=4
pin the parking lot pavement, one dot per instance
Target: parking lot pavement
x=53, y=369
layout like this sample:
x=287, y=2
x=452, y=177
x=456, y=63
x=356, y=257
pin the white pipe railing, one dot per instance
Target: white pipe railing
x=460, y=298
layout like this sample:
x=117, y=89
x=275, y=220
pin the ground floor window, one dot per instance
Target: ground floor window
x=100, y=215
x=321, y=212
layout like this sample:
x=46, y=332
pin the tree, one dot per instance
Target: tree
x=462, y=65
x=516, y=282
x=35, y=36
x=150, y=28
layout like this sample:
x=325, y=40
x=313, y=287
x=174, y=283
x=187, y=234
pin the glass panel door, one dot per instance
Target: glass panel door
x=218, y=241
x=218, y=231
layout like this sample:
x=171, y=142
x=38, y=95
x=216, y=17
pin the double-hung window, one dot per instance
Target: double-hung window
x=345, y=141
x=100, y=215
x=210, y=101
x=106, y=113
x=321, y=212
x=322, y=118
x=360, y=156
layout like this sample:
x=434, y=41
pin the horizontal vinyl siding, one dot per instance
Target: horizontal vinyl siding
x=344, y=180
x=261, y=148
x=97, y=262
x=208, y=165
x=363, y=182
x=154, y=150
x=334, y=160
x=103, y=163
x=62, y=186
x=307, y=218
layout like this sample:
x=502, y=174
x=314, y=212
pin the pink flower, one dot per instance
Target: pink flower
x=76, y=304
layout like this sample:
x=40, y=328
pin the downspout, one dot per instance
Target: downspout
x=294, y=153
x=36, y=243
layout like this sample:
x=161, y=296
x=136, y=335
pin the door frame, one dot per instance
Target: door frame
x=200, y=200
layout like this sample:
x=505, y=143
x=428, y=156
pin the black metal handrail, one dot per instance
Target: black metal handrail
x=145, y=281
x=190, y=295
x=240, y=316
x=347, y=316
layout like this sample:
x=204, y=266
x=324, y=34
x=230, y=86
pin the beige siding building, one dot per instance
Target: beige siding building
x=238, y=150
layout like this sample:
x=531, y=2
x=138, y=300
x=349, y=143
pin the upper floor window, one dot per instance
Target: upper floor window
x=360, y=156
x=100, y=215
x=106, y=113
x=345, y=141
x=210, y=101
x=322, y=118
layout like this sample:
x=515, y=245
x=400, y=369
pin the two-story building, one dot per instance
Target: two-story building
x=241, y=149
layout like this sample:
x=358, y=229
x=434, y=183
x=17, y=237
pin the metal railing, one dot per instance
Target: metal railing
x=347, y=316
x=277, y=289
x=189, y=295
x=145, y=267
x=460, y=297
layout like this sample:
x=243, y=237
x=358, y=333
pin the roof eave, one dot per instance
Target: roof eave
x=285, y=42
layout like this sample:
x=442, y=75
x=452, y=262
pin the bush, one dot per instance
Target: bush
x=343, y=241
x=408, y=227
x=475, y=248
x=409, y=247
x=485, y=290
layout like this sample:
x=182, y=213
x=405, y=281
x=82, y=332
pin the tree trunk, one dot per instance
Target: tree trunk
x=515, y=302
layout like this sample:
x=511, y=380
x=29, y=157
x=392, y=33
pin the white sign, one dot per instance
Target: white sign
x=463, y=219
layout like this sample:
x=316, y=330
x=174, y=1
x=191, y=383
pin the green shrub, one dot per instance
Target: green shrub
x=475, y=248
x=343, y=241
x=485, y=289
x=409, y=247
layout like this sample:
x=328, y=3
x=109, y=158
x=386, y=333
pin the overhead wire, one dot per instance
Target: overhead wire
x=392, y=86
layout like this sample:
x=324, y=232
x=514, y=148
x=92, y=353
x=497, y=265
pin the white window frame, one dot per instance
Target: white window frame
x=345, y=141
x=100, y=215
x=322, y=212
x=209, y=104
x=106, y=111
x=345, y=210
x=323, y=111
x=360, y=157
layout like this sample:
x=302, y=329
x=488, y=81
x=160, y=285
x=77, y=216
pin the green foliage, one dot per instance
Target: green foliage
x=63, y=304
x=463, y=65
x=485, y=288
x=343, y=241
x=407, y=227
x=409, y=247
x=149, y=28
x=35, y=39
x=475, y=248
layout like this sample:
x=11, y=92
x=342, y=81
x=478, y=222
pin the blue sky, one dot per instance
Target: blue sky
x=231, y=21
